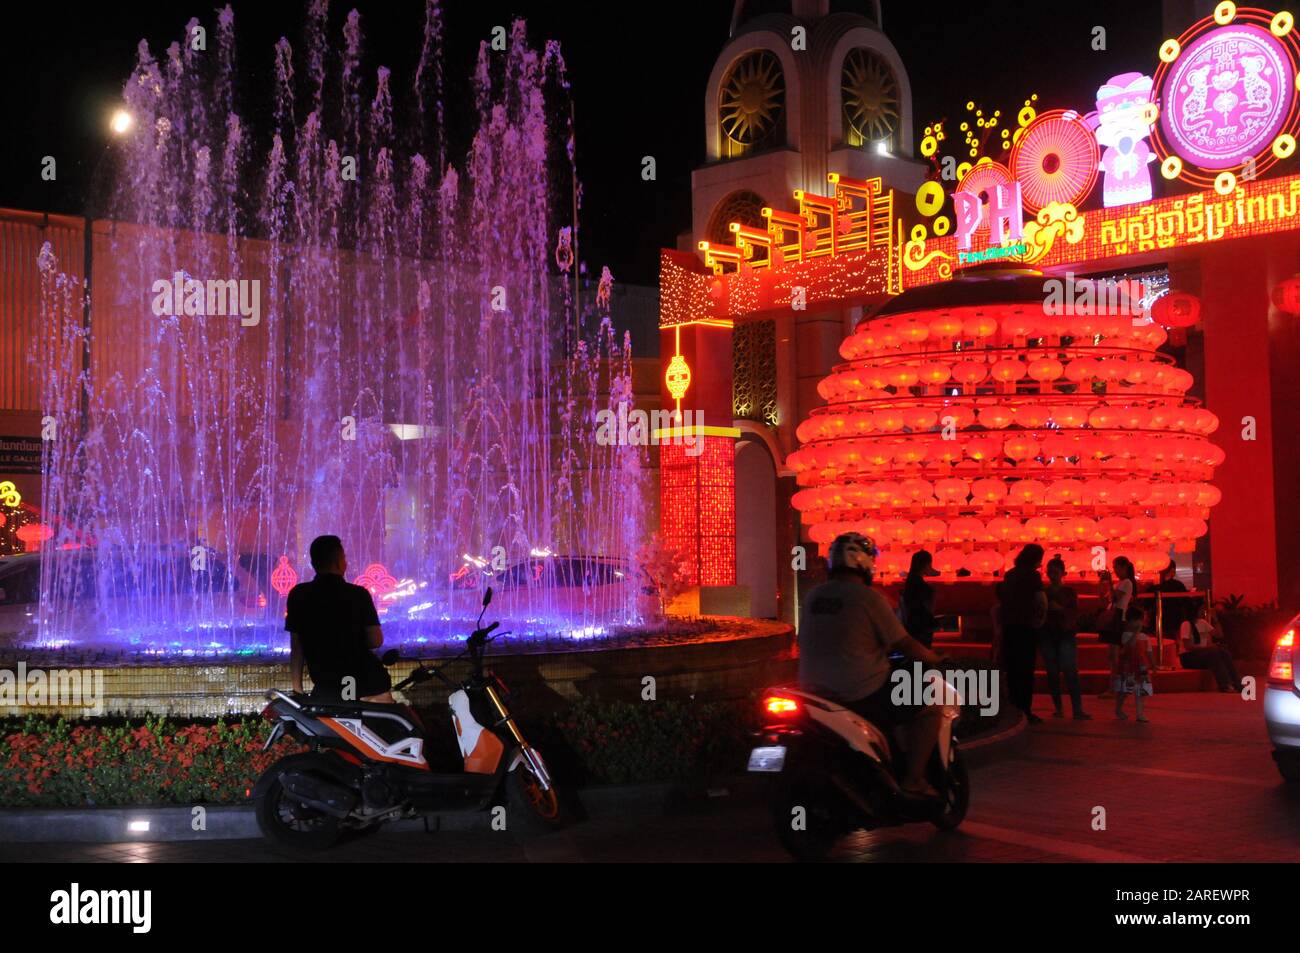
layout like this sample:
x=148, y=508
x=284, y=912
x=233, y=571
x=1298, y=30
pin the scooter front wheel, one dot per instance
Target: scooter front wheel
x=529, y=806
x=956, y=795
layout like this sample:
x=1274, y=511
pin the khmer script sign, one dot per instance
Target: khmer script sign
x=1227, y=96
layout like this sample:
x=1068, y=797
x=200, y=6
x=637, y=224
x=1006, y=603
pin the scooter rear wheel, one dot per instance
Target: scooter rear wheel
x=806, y=822
x=290, y=824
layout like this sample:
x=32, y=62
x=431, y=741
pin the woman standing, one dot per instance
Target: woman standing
x=1057, y=640
x=918, y=599
x=1116, y=616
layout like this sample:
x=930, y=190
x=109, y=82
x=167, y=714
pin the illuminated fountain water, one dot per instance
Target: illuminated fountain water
x=405, y=384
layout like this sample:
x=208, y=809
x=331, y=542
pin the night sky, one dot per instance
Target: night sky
x=638, y=72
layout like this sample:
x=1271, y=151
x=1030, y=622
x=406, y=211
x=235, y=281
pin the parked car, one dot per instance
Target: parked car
x=1282, y=703
x=569, y=587
x=94, y=593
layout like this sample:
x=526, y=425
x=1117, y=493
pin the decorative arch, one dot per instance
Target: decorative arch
x=767, y=436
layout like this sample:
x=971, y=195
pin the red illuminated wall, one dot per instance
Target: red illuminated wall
x=698, y=508
x=1235, y=307
x=697, y=486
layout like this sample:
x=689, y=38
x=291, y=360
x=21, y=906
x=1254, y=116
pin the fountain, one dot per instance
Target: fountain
x=305, y=318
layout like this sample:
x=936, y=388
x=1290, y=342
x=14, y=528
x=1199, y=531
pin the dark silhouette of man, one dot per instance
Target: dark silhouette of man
x=333, y=627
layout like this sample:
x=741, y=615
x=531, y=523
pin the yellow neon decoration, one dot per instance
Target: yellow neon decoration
x=1284, y=146
x=9, y=494
x=941, y=225
x=1172, y=167
x=1225, y=13
x=929, y=198
x=1282, y=24
x=1224, y=183
x=1169, y=51
x=664, y=433
x=678, y=377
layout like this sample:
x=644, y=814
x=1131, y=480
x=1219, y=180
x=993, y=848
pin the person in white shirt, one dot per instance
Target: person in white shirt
x=1198, y=649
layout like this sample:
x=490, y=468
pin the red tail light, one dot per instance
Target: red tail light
x=781, y=706
x=1281, y=667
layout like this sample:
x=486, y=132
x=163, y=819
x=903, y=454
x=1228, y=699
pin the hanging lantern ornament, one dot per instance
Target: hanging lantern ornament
x=564, y=250
x=283, y=577
x=604, y=287
x=1177, y=309
x=1286, y=296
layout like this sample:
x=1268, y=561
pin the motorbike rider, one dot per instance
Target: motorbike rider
x=846, y=632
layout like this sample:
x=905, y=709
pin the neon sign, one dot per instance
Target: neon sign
x=1228, y=92
x=1124, y=117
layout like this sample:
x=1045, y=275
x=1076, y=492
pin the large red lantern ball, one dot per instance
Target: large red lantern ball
x=1286, y=295
x=1177, y=309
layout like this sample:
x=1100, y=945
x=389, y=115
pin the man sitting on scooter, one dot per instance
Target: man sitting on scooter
x=846, y=632
x=333, y=626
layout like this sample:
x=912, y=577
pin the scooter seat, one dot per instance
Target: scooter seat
x=346, y=709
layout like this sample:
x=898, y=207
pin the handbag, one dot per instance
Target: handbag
x=1109, y=627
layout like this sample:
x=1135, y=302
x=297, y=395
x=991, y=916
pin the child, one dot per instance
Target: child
x=1134, y=664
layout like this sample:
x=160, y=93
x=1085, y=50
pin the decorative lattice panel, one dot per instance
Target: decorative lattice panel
x=753, y=356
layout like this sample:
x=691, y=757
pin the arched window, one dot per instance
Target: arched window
x=744, y=207
x=870, y=99
x=751, y=104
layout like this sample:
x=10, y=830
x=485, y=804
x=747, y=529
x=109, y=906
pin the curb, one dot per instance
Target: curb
x=236, y=822
x=1010, y=740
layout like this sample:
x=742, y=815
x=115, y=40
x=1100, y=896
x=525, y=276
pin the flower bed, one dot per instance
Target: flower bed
x=56, y=763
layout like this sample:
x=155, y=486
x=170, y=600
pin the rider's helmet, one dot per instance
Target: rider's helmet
x=850, y=551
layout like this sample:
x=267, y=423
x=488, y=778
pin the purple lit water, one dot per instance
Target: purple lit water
x=382, y=396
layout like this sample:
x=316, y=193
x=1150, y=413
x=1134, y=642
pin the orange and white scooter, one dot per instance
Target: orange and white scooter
x=366, y=764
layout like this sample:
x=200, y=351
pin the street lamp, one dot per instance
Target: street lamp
x=121, y=122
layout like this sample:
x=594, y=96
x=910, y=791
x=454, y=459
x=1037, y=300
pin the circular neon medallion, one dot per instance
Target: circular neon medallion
x=1227, y=96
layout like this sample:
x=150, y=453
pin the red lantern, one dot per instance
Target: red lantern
x=1286, y=296
x=283, y=577
x=33, y=534
x=1177, y=309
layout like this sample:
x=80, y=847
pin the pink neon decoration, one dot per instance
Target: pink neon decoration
x=978, y=181
x=968, y=211
x=283, y=577
x=377, y=579
x=1055, y=160
x=1123, y=119
x=1227, y=96
x=1006, y=214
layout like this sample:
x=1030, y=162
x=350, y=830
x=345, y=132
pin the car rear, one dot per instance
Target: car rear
x=1282, y=702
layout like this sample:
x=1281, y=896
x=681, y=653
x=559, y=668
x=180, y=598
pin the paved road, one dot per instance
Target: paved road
x=1195, y=784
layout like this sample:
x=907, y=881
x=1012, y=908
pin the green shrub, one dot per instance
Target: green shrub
x=623, y=742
